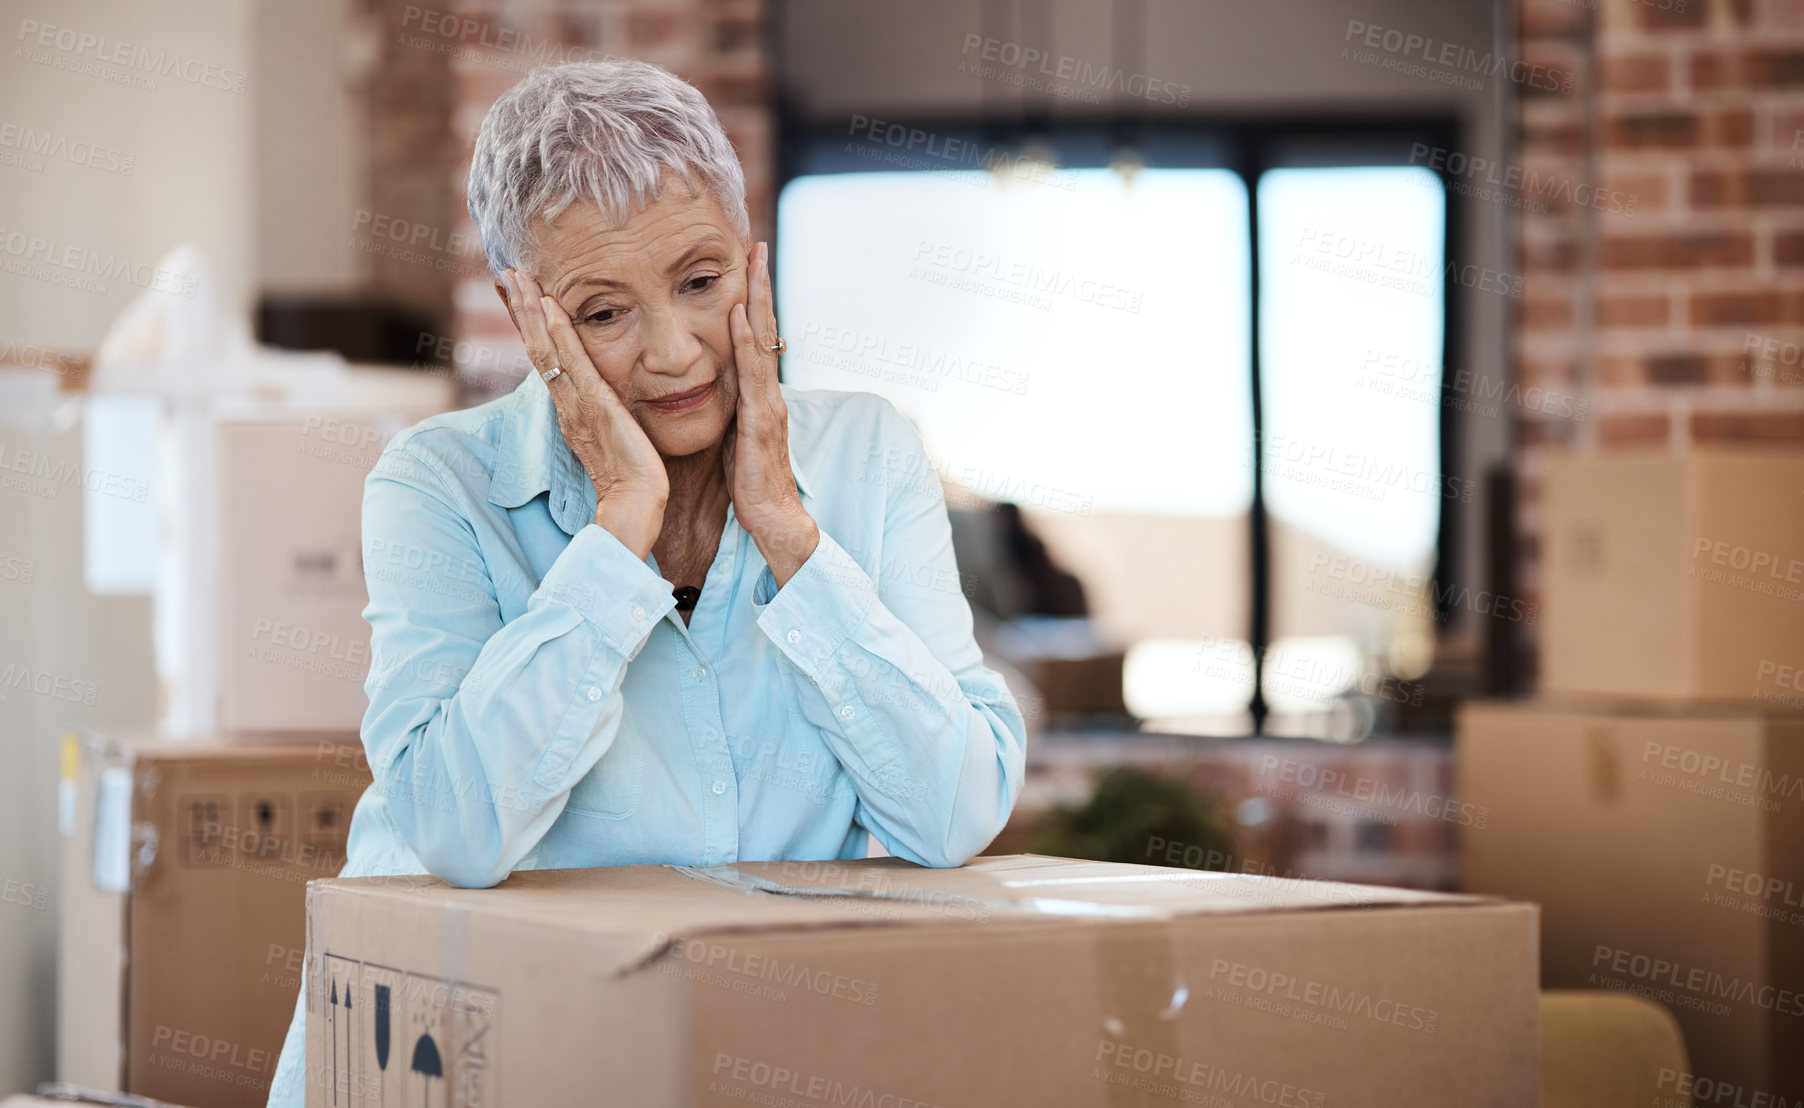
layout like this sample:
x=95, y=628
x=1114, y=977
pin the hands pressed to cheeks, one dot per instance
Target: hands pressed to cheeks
x=632, y=485
x=757, y=443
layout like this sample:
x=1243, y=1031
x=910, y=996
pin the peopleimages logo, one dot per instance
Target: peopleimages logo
x=1331, y=998
x=1408, y=45
x=48, y=259
x=1157, y=1066
x=212, y=1049
x=705, y=954
x=1022, y=59
x=1397, y=375
x=1363, y=474
x=1025, y=275
x=462, y=31
x=1516, y=179
x=1768, y=888
x=1791, y=677
x=1704, y=1090
x=44, y=683
x=1376, y=793
x=83, y=49
x=1713, y=767
x=782, y=1085
x=32, y=144
x=931, y=364
x=1376, y=585
x=1788, y=570
x=1698, y=981
x=1419, y=272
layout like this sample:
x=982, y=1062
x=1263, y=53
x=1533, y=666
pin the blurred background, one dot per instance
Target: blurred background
x=1244, y=339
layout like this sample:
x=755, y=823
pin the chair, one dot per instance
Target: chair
x=1609, y=1049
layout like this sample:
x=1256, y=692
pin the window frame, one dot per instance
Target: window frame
x=1248, y=147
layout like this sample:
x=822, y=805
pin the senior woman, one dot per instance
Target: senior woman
x=654, y=606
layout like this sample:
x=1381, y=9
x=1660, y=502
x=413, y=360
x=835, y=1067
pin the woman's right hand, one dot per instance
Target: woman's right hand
x=631, y=484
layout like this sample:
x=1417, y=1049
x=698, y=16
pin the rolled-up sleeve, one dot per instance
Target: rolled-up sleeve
x=477, y=729
x=932, y=739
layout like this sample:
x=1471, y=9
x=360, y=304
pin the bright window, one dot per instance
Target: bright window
x=1079, y=344
x=1082, y=334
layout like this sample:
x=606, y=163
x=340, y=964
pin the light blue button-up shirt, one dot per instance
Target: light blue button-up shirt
x=537, y=703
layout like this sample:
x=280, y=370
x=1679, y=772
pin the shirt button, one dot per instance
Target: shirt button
x=594, y=694
x=846, y=711
x=638, y=612
x=699, y=672
x=719, y=787
x=794, y=636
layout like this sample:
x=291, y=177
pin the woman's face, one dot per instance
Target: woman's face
x=649, y=300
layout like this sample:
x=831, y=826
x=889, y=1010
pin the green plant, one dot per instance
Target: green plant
x=1130, y=816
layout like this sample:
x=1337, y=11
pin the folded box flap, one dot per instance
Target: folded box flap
x=640, y=910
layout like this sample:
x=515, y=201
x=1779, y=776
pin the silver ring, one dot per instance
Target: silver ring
x=550, y=375
x=780, y=346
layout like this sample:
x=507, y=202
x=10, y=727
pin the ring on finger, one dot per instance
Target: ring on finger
x=781, y=346
x=550, y=375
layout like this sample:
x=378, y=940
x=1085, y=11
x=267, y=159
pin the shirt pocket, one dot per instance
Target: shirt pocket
x=611, y=789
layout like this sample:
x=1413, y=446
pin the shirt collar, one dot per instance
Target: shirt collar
x=532, y=457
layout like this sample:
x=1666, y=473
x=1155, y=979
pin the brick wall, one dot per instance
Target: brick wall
x=1381, y=812
x=407, y=105
x=481, y=49
x=1665, y=275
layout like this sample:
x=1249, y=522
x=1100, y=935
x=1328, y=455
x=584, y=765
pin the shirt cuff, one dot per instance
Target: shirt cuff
x=601, y=580
x=823, y=603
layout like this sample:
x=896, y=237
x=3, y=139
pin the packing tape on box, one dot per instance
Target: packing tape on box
x=730, y=876
x=1141, y=995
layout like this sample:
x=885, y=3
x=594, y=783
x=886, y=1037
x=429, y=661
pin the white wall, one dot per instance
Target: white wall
x=189, y=180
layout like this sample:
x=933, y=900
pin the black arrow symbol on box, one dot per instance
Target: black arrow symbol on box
x=350, y=1045
x=426, y=1063
x=332, y=1026
x=382, y=1034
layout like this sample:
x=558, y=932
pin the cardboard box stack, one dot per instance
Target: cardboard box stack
x=1675, y=577
x=183, y=916
x=187, y=851
x=1013, y=980
x=1652, y=802
x=186, y=861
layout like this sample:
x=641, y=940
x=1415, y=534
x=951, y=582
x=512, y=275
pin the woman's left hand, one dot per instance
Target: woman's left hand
x=756, y=456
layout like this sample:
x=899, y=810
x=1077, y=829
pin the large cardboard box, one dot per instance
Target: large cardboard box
x=1666, y=850
x=1675, y=576
x=183, y=920
x=1015, y=980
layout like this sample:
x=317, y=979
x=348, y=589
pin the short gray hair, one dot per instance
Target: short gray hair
x=600, y=130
